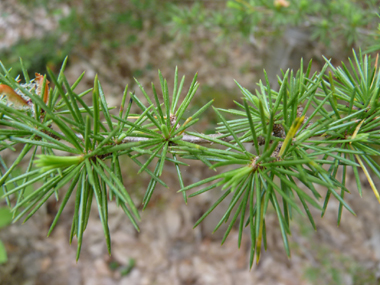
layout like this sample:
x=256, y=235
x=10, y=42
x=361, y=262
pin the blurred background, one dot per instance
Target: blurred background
x=223, y=41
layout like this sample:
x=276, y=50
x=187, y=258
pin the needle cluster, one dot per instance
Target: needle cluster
x=283, y=149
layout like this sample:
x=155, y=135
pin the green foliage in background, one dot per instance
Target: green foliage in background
x=282, y=150
x=328, y=21
x=84, y=25
x=38, y=53
x=81, y=27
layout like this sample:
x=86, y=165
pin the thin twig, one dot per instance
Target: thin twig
x=185, y=138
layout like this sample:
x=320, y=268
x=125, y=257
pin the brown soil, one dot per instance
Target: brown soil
x=168, y=250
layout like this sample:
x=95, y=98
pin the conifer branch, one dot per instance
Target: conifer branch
x=313, y=121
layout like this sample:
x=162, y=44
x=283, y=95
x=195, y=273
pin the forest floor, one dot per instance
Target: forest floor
x=168, y=250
